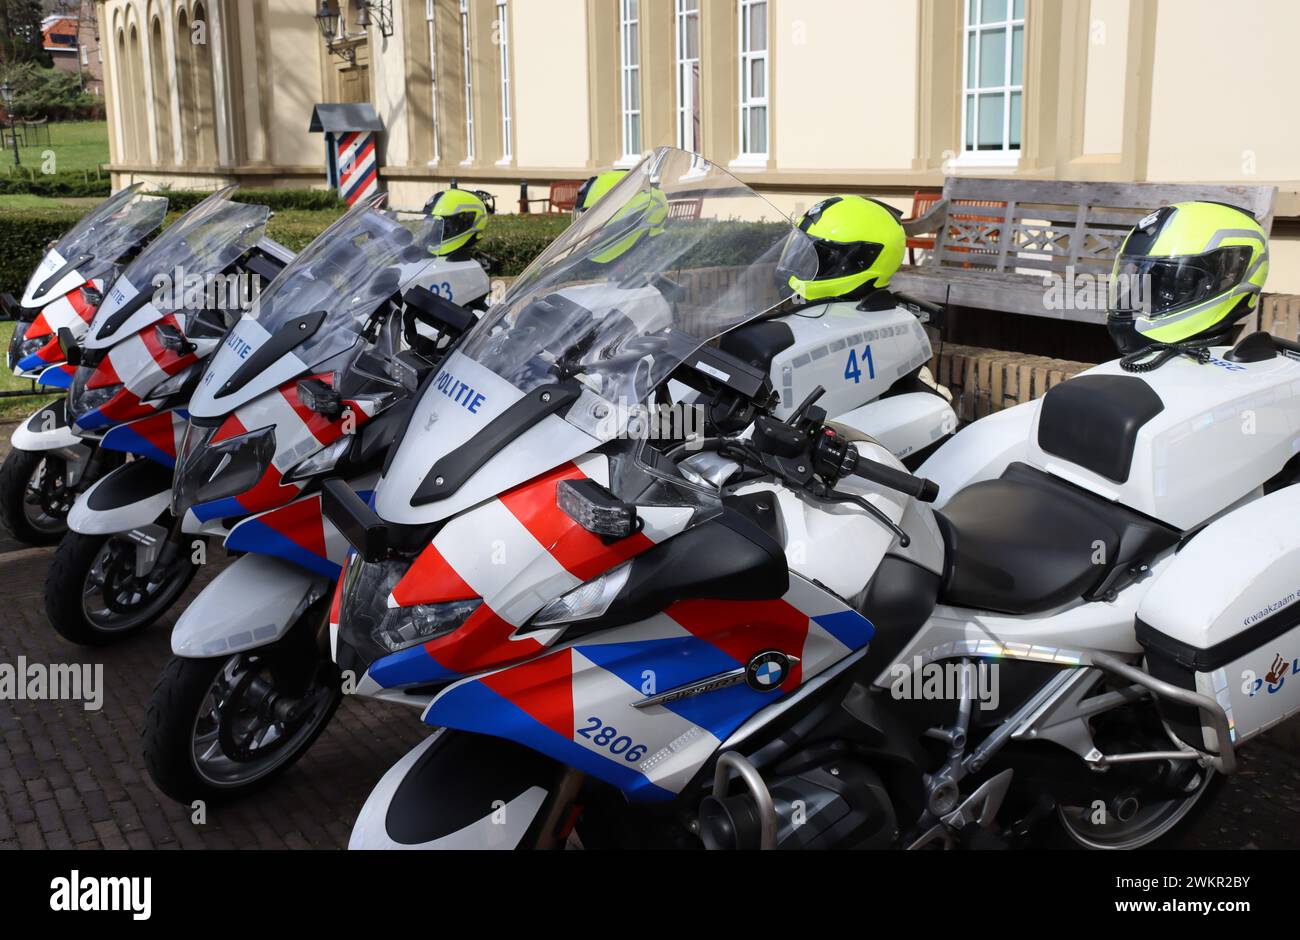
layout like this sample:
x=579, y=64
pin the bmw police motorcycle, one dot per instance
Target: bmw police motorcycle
x=48, y=464
x=1067, y=624
x=311, y=383
x=135, y=371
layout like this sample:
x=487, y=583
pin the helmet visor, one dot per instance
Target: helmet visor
x=1160, y=286
x=844, y=259
x=458, y=224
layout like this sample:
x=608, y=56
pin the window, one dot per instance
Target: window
x=993, y=77
x=433, y=72
x=630, y=67
x=688, y=75
x=753, y=79
x=469, y=81
x=503, y=48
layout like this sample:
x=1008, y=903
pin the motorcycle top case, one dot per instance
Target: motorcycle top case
x=1223, y=619
x=1181, y=443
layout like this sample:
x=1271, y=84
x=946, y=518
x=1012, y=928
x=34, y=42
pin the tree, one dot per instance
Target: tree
x=20, y=33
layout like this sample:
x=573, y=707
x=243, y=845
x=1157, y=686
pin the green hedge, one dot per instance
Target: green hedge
x=279, y=200
x=513, y=240
x=29, y=180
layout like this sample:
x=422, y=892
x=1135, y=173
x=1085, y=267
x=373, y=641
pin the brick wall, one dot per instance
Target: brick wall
x=983, y=381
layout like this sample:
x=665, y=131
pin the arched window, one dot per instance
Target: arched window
x=161, y=90
x=185, y=86
x=136, y=88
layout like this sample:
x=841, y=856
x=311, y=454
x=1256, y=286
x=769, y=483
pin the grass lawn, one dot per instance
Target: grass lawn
x=11, y=408
x=76, y=146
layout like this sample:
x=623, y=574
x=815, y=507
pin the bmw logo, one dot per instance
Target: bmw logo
x=767, y=670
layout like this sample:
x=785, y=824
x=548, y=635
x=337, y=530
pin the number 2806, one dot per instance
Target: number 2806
x=606, y=736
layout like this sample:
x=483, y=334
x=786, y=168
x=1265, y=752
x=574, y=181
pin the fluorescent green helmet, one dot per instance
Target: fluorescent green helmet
x=591, y=191
x=859, y=244
x=644, y=214
x=464, y=218
x=1187, y=273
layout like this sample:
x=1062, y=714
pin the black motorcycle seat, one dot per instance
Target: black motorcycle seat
x=1029, y=542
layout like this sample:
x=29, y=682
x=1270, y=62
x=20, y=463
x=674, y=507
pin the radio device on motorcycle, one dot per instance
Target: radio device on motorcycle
x=446, y=318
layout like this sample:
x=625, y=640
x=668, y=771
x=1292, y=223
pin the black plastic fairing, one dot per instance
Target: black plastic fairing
x=285, y=339
x=128, y=484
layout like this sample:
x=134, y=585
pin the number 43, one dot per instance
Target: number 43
x=853, y=370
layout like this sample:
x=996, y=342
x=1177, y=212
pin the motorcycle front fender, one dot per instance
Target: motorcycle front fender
x=456, y=790
x=251, y=604
x=133, y=495
x=47, y=429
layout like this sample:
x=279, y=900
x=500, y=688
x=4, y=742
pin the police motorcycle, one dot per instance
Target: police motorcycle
x=313, y=382
x=41, y=474
x=135, y=372
x=1069, y=623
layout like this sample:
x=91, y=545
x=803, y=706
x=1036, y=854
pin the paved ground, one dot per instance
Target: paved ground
x=73, y=778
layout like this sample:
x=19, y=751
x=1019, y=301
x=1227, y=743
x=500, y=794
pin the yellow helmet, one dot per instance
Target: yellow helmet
x=644, y=214
x=591, y=191
x=1186, y=273
x=464, y=218
x=859, y=243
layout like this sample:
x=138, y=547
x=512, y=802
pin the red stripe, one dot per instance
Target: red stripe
x=355, y=162
x=103, y=375
x=542, y=688
x=336, y=603
x=431, y=580
x=158, y=430
x=742, y=628
x=166, y=359
x=481, y=642
x=581, y=554
x=40, y=327
x=301, y=523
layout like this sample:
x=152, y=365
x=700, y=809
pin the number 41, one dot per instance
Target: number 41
x=854, y=371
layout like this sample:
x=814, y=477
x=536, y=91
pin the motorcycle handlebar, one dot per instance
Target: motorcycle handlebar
x=927, y=491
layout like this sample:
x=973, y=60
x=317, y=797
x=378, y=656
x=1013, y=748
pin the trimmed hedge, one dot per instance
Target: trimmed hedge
x=513, y=240
x=29, y=181
x=278, y=200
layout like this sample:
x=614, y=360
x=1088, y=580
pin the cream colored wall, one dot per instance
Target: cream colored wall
x=1223, y=99
x=845, y=84
x=294, y=81
x=388, y=86
x=1103, y=113
x=549, y=83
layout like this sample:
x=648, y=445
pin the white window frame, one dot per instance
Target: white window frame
x=432, y=29
x=1006, y=155
x=688, y=78
x=503, y=57
x=470, y=149
x=747, y=103
x=629, y=78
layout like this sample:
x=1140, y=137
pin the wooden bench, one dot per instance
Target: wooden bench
x=1004, y=257
x=562, y=198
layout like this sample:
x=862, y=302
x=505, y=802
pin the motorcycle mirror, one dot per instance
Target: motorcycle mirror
x=171, y=338
x=71, y=351
x=323, y=399
x=9, y=306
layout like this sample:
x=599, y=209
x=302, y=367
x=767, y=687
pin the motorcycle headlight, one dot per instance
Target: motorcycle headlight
x=175, y=383
x=20, y=348
x=320, y=462
x=367, y=623
x=82, y=400
x=207, y=471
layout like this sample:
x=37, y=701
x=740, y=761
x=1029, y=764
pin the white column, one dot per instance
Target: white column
x=221, y=86
x=150, y=106
x=173, y=81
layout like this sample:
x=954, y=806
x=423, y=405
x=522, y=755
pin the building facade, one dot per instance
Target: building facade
x=798, y=97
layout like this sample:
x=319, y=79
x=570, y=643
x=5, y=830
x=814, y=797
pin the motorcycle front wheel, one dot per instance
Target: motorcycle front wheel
x=34, y=498
x=93, y=595
x=218, y=729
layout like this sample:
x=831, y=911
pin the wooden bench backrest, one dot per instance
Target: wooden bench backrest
x=1010, y=225
x=564, y=193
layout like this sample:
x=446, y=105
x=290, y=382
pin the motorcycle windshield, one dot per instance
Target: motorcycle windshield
x=312, y=315
x=678, y=253
x=95, y=244
x=175, y=273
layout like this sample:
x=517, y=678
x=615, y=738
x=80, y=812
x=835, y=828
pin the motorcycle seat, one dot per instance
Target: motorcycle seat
x=1029, y=542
